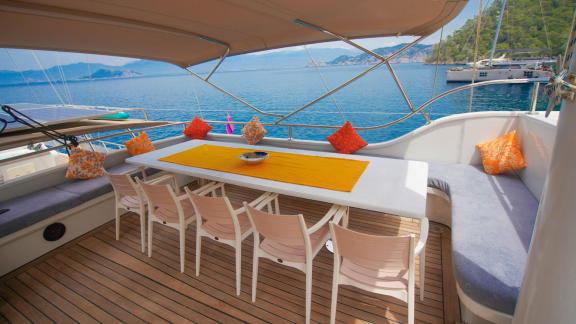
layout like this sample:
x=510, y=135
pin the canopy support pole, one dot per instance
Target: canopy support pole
x=222, y=58
x=383, y=60
x=231, y=95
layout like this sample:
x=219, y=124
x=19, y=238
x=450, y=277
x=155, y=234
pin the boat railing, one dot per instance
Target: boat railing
x=104, y=139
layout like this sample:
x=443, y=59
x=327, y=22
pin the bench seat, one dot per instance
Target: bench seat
x=34, y=207
x=492, y=222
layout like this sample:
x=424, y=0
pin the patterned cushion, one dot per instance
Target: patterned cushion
x=346, y=140
x=139, y=145
x=198, y=129
x=254, y=131
x=84, y=164
x=502, y=154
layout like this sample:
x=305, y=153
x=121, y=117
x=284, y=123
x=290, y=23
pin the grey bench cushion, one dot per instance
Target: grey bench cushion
x=492, y=222
x=29, y=209
x=90, y=189
x=32, y=208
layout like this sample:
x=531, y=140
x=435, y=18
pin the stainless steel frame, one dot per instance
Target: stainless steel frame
x=231, y=95
x=373, y=54
x=534, y=97
x=291, y=126
x=218, y=64
x=383, y=60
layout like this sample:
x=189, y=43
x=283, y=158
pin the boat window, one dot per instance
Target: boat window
x=483, y=74
x=528, y=74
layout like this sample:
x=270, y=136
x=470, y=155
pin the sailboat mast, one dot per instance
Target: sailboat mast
x=495, y=40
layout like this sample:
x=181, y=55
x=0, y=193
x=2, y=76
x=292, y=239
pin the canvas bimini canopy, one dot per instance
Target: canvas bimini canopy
x=188, y=32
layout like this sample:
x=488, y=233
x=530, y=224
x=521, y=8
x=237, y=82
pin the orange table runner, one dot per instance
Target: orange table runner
x=315, y=171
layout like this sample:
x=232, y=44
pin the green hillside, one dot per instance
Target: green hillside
x=523, y=27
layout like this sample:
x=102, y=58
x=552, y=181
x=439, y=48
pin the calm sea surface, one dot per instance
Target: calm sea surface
x=372, y=100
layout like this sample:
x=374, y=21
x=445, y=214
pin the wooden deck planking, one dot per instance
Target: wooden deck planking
x=98, y=279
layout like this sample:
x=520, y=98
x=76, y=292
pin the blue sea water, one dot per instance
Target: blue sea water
x=372, y=100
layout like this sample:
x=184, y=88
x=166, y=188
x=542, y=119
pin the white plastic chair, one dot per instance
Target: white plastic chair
x=379, y=264
x=290, y=241
x=219, y=221
x=172, y=210
x=129, y=197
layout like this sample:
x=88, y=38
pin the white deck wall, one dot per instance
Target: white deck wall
x=453, y=139
x=449, y=140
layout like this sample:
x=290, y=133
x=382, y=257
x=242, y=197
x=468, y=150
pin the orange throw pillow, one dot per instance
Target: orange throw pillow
x=346, y=140
x=254, y=131
x=198, y=129
x=502, y=154
x=139, y=145
x=84, y=164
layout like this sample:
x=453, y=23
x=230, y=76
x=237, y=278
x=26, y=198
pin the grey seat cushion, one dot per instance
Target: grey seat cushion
x=90, y=189
x=34, y=207
x=492, y=222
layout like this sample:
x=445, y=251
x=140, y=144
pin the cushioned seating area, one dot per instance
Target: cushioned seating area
x=492, y=222
x=29, y=209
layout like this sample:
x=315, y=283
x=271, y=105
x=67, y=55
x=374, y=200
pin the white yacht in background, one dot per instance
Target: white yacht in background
x=535, y=70
x=502, y=68
x=499, y=248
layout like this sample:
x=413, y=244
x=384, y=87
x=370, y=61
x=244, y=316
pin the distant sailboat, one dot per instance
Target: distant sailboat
x=536, y=70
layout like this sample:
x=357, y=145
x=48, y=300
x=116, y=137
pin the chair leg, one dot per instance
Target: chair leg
x=176, y=187
x=143, y=230
x=334, y=300
x=117, y=223
x=422, y=272
x=255, y=260
x=411, y=308
x=277, y=206
x=198, y=251
x=142, y=170
x=238, y=266
x=182, y=246
x=346, y=217
x=411, y=298
x=308, y=291
x=150, y=230
x=269, y=208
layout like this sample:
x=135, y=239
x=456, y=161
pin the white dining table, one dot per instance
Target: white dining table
x=392, y=186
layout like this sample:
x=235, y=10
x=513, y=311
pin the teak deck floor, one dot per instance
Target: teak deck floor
x=98, y=279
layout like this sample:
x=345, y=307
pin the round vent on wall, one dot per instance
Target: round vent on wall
x=54, y=232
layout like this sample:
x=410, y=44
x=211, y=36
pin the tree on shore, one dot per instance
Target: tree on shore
x=530, y=28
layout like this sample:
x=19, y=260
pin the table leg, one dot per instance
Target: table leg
x=329, y=244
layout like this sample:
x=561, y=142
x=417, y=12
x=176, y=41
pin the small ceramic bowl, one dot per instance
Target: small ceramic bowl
x=254, y=157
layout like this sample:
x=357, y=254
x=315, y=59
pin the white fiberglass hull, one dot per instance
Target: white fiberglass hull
x=465, y=75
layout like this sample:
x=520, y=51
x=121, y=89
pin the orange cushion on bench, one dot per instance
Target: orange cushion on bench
x=139, y=145
x=83, y=164
x=198, y=129
x=346, y=140
x=254, y=131
x=502, y=154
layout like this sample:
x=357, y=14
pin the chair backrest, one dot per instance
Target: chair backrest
x=373, y=251
x=123, y=185
x=161, y=198
x=287, y=229
x=212, y=209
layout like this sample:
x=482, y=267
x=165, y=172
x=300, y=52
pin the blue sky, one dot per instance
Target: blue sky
x=14, y=59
